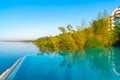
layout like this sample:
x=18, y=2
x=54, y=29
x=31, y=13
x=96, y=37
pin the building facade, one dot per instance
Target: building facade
x=115, y=17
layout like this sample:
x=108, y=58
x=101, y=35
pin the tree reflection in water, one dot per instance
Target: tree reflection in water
x=102, y=61
x=115, y=56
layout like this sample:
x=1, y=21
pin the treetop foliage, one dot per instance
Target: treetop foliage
x=99, y=34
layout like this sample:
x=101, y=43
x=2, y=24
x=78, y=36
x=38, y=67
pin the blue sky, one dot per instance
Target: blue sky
x=30, y=19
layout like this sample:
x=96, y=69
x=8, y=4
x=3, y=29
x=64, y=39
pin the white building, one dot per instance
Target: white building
x=115, y=17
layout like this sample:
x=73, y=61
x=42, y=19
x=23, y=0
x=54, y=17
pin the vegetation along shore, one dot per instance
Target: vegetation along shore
x=99, y=34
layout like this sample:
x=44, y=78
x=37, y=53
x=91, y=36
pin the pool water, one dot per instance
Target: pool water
x=93, y=64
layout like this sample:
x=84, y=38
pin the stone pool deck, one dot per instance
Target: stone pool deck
x=5, y=74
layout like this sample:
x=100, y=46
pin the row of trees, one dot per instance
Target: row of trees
x=99, y=34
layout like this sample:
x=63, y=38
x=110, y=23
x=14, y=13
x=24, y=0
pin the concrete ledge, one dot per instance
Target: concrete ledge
x=5, y=74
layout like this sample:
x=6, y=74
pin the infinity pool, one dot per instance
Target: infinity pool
x=95, y=64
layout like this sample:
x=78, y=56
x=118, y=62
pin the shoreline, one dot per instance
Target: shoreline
x=18, y=41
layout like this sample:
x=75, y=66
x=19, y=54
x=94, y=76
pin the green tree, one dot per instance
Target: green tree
x=93, y=43
x=62, y=29
x=116, y=35
x=69, y=27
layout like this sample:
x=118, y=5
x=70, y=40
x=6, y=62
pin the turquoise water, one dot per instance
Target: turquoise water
x=92, y=64
x=10, y=52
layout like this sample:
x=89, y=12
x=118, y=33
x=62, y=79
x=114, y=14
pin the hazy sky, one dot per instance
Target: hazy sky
x=30, y=19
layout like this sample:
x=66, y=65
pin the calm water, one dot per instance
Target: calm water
x=11, y=51
x=93, y=64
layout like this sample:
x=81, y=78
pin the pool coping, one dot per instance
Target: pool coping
x=5, y=74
